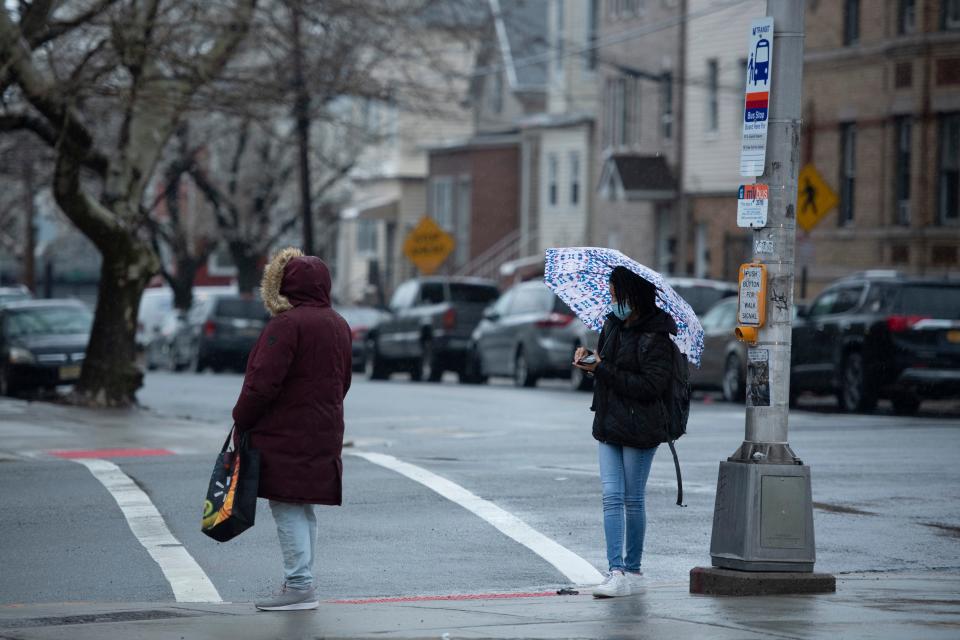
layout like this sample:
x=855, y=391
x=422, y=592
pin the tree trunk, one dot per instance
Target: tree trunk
x=182, y=282
x=247, y=261
x=110, y=376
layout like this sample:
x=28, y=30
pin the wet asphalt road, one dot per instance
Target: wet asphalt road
x=887, y=491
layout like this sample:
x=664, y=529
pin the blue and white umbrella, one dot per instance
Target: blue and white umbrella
x=580, y=277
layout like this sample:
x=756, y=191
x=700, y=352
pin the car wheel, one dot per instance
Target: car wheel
x=906, y=404
x=473, y=369
x=855, y=394
x=579, y=380
x=430, y=368
x=522, y=377
x=733, y=385
x=375, y=366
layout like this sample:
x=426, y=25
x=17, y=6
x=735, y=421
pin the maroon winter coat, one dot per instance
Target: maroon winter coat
x=297, y=376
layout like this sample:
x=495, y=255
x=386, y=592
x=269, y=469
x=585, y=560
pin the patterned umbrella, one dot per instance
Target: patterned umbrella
x=580, y=276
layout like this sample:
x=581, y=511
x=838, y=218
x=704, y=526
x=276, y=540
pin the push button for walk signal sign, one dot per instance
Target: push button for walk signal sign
x=815, y=199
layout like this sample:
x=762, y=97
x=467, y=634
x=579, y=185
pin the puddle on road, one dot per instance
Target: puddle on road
x=838, y=508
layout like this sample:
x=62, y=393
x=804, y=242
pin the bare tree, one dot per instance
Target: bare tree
x=106, y=98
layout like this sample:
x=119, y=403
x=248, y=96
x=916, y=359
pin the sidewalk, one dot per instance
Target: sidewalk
x=895, y=606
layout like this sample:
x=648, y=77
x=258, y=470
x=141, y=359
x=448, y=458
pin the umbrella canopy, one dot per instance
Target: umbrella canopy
x=580, y=277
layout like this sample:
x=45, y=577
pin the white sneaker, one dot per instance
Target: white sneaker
x=635, y=580
x=615, y=585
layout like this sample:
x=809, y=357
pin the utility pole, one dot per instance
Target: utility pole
x=680, y=201
x=763, y=517
x=302, y=116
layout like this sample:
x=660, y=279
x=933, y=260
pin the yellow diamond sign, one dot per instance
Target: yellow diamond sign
x=815, y=199
x=427, y=246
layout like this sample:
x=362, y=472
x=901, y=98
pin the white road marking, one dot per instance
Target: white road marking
x=186, y=578
x=575, y=568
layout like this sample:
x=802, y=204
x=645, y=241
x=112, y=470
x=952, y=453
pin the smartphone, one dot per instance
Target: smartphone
x=588, y=359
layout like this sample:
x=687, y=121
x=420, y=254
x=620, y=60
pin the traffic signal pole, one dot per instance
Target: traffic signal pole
x=762, y=538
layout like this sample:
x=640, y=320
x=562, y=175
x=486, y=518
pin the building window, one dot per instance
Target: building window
x=949, y=160
x=851, y=22
x=496, y=93
x=848, y=166
x=593, y=16
x=558, y=39
x=666, y=104
x=907, y=17
x=616, y=110
x=574, y=177
x=950, y=14
x=737, y=98
x=367, y=236
x=552, y=175
x=464, y=213
x=441, y=202
x=903, y=127
x=713, y=95
x=636, y=134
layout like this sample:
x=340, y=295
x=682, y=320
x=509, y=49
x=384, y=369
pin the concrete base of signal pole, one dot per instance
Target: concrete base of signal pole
x=714, y=581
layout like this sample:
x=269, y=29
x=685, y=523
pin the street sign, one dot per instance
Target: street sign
x=756, y=103
x=752, y=297
x=815, y=198
x=752, y=205
x=427, y=246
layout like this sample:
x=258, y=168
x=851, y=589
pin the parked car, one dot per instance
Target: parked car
x=14, y=294
x=219, y=332
x=361, y=320
x=156, y=304
x=702, y=294
x=42, y=343
x=723, y=364
x=159, y=350
x=529, y=334
x=428, y=328
x=880, y=335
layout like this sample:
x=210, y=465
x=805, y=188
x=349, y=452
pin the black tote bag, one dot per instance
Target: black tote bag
x=231, y=504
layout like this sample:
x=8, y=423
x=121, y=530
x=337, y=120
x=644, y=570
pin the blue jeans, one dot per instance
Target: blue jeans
x=297, y=529
x=623, y=474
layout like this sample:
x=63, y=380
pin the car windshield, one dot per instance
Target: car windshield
x=702, y=298
x=933, y=301
x=49, y=321
x=483, y=294
x=357, y=317
x=251, y=309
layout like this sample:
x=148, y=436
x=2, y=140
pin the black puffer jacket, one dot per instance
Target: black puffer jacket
x=632, y=381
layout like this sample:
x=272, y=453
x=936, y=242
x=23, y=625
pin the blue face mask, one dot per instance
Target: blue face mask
x=622, y=313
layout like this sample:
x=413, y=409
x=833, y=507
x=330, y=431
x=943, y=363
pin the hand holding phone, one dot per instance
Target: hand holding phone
x=590, y=358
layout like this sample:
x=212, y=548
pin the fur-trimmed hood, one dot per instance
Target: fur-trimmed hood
x=293, y=279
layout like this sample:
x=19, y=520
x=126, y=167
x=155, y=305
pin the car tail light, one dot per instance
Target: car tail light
x=896, y=324
x=449, y=319
x=554, y=320
x=358, y=333
x=210, y=328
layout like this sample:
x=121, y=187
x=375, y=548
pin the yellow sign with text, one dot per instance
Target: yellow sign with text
x=427, y=246
x=815, y=199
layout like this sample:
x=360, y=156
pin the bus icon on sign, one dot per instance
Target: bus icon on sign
x=761, y=62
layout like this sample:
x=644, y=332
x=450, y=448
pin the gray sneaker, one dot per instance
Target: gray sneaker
x=290, y=599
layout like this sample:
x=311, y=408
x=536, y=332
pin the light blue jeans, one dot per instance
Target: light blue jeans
x=297, y=529
x=623, y=474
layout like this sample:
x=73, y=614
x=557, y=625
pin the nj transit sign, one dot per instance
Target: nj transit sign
x=756, y=103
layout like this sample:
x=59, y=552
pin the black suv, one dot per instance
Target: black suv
x=428, y=329
x=880, y=335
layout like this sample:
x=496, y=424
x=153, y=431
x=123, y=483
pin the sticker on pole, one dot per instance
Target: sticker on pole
x=756, y=104
x=752, y=205
x=758, y=377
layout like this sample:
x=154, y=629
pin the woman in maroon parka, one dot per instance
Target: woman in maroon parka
x=291, y=405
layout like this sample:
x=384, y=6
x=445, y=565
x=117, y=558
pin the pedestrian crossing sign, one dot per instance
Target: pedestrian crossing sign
x=815, y=198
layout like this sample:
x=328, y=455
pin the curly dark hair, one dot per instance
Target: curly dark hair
x=634, y=290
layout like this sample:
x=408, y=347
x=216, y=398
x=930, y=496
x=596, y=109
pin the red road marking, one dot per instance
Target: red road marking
x=110, y=453
x=466, y=596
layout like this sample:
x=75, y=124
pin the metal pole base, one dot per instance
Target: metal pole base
x=765, y=453
x=763, y=518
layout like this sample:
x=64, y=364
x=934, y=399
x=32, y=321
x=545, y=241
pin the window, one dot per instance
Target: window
x=441, y=202
x=431, y=293
x=950, y=14
x=552, y=176
x=851, y=22
x=404, y=296
x=737, y=98
x=574, y=177
x=366, y=236
x=666, y=105
x=713, y=97
x=531, y=300
x=903, y=128
x=616, y=111
x=848, y=299
x=907, y=17
x=464, y=195
x=949, y=170
x=496, y=93
x=635, y=134
x=824, y=304
x=593, y=16
x=558, y=39
x=848, y=156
